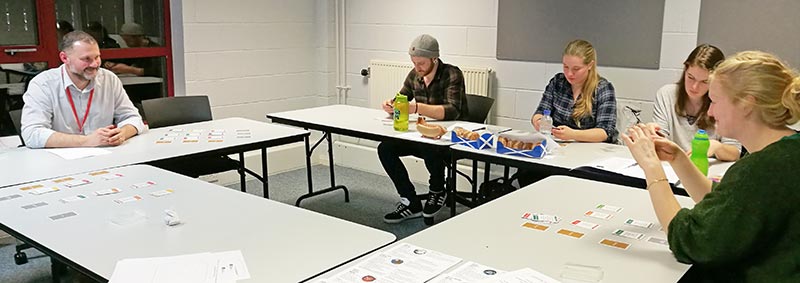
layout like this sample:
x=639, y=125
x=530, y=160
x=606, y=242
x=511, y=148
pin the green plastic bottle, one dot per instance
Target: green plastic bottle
x=400, y=116
x=699, y=156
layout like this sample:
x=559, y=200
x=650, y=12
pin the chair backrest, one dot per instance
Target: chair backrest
x=16, y=119
x=479, y=107
x=169, y=111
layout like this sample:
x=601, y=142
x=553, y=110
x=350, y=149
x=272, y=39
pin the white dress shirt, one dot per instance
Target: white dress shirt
x=47, y=108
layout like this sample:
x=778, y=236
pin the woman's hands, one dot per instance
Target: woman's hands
x=648, y=148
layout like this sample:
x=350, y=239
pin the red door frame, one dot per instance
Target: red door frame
x=47, y=49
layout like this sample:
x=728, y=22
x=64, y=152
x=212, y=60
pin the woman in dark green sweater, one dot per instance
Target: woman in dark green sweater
x=747, y=229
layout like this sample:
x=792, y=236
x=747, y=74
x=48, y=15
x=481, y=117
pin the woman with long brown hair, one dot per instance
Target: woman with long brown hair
x=680, y=108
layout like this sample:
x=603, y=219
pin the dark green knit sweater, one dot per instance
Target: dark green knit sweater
x=748, y=228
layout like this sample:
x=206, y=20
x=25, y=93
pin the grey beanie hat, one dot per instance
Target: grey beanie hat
x=424, y=46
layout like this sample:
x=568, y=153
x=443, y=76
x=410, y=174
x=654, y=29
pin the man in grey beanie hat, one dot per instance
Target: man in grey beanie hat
x=436, y=90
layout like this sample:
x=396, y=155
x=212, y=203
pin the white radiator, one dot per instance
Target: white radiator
x=386, y=79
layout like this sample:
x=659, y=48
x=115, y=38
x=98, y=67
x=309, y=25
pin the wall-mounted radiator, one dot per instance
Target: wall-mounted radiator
x=386, y=79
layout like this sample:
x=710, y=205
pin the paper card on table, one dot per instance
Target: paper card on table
x=570, y=233
x=34, y=205
x=197, y=131
x=128, y=199
x=112, y=176
x=161, y=193
x=467, y=272
x=98, y=173
x=77, y=182
x=639, y=223
x=73, y=198
x=63, y=215
x=10, y=197
x=615, y=244
x=216, y=134
x=629, y=167
x=67, y=179
x=525, y=275
x=609, y=208
x=657, y=240
x=628, y=234
x=585, y=225
x=142, y=185
x=542, y=218
x=77, y=152
x=44, y=190
x=215, y=140
x=177, y=130
x=217, y=130
x=30, y=187
x=598, y=215
x=535, y=226
x=110, y=191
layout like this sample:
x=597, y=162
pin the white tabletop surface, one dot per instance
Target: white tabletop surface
x=492, y=234
x=363, y=122
x=22, y=165
x=280, y=243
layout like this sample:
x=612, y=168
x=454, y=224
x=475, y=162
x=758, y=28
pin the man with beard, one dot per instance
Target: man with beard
x=435, y=90
x=78, y=104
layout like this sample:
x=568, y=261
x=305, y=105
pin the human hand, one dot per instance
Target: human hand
x=536, y=123
x=388, y=106
x=563, y=132
x=654, y=130
x=642, y=147
x=100, y=137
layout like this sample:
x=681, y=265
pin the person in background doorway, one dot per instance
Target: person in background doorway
x=134, y=37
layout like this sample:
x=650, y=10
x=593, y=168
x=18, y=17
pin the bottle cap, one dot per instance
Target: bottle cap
x=547, y=112
x=701, y=131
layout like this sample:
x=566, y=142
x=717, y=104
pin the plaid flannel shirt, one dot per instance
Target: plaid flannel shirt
x=557, y=98
x=447, y=89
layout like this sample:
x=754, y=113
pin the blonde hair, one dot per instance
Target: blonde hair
x=584, y=50
x=774, y=86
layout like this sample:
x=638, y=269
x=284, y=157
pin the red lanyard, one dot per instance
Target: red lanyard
x=75, y=112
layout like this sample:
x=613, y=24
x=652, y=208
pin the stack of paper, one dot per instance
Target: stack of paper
x=71, y=153
x=404, y=263
x=629, y=167
x=224, y=267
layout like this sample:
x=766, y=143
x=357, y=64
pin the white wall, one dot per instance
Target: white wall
x=253, y=57
x=466, y=30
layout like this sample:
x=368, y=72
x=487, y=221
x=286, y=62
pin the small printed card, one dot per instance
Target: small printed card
x=585, y=225
x=570, y=233
x=44, y=190
x=609, y=208
x=628, y=234
x=128, y=199
x=639, y=223
x=541, y=218
x=161, y=193
x=73, y=198
x=105, y=192
x=598, y=215
x=615, y=244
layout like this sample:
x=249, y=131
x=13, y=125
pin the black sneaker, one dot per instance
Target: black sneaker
x=402, y=212
x=434, y=204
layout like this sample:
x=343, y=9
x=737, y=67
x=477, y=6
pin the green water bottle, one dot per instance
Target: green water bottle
x=699, y=156
x=400, y=116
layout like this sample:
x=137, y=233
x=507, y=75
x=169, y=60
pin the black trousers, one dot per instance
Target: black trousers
x=435, y=160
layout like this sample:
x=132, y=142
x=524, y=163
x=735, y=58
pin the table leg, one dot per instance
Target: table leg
x=333, y=187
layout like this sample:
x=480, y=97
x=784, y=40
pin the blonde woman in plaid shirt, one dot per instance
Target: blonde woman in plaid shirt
x=581, y=102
